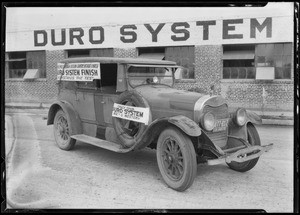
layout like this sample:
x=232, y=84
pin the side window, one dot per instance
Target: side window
x=108, y=81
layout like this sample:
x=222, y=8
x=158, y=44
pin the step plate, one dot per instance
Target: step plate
x=100, y=143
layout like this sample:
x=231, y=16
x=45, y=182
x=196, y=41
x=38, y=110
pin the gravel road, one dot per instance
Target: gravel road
x=40, y=175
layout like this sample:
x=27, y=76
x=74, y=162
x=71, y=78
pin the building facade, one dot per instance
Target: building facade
x=249, y=60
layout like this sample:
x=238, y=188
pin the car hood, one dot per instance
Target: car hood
x=165, y=101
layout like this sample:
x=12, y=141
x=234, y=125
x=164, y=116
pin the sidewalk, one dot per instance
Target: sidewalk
x=268, y=117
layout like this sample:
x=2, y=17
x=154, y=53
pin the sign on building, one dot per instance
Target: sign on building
x=198, y=32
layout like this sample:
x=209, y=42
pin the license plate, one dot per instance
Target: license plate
x=221, y=125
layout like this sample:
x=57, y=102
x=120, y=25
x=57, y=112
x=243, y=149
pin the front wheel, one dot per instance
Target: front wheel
x=253, y=139
x=61, y=130
x=176, y=159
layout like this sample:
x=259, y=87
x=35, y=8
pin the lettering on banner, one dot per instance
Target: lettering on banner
x=137, y=114
x=78, y=71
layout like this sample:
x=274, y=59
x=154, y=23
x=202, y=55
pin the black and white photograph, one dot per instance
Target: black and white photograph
x=150, y=108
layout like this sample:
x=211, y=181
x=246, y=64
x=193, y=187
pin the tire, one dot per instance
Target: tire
x=176, y=159
x=253, y=139
x=62, y=131
x=131, y=135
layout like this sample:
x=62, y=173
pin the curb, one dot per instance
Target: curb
x=277, y=122
x=27, y=105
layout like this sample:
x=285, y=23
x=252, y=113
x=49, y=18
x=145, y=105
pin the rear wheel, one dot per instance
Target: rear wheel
x=176, y=159
x=62, y=131
x=253, y=139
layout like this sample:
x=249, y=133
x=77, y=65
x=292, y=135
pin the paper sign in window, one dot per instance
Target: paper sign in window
x=78, y=71
x=265, y=73
x=137, y=114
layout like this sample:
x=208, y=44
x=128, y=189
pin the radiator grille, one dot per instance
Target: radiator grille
x=220, y=112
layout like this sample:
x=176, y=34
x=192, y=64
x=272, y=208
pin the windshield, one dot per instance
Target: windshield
x=140, y=75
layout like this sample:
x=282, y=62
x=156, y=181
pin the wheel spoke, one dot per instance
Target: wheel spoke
x=173, y=145
x=126, y=124
x=169, y=146
x=180, y=163
x=166, y=152
x=180, y=169
x=177, y=171
x=177, y=150
x=173, y=170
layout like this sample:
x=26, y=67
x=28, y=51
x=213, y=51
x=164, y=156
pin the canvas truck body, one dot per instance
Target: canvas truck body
x=128, y=104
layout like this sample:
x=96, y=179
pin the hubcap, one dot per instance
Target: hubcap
x=172, y=159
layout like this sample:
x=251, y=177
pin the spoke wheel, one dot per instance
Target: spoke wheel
x=253, y=139
x=173, y=159
x=62, y=132
x=176, y=159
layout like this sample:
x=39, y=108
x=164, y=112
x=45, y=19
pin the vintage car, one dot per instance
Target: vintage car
x=123, y=104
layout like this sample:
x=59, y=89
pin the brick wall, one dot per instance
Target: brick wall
x=38, y=90
x=274, y=95
x=278, y=95
x=208, y=69
x=125, y=53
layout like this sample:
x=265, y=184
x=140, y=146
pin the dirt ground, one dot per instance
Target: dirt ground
x=40, y=175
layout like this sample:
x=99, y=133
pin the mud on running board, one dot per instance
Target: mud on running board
x=100, y=143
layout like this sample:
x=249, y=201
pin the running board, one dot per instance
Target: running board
x=101, y=143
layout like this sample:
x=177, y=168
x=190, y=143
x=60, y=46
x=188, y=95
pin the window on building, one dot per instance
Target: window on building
x=238, y=62
x=277, y=56
x=78, y=53
x=27, y=65
x=261, y=61
x=183, y=55
x=107, y=52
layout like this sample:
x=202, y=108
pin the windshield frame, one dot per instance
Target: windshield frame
x=150, y=66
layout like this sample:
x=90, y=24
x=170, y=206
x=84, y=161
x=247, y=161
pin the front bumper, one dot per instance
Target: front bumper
x=241, y=155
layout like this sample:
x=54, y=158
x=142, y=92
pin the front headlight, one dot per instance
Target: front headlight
x=241, y=116
x=208, y=121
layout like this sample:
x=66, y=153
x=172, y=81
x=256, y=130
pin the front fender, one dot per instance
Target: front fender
x=185, y=124
x=72, y=116
x=254, y=118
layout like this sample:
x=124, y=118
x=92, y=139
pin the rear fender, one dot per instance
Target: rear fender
x=72, y=116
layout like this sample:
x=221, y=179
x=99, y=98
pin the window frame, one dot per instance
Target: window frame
x=191, y=62
x=30, y=65
x=266, y=57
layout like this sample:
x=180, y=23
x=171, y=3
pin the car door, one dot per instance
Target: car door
x=84, y=105
x=112, y=83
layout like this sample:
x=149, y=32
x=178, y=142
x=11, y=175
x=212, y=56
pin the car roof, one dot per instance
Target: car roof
x=118, y=60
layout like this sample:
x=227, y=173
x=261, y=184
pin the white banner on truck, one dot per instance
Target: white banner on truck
x=137, y=114
x=78, y=71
